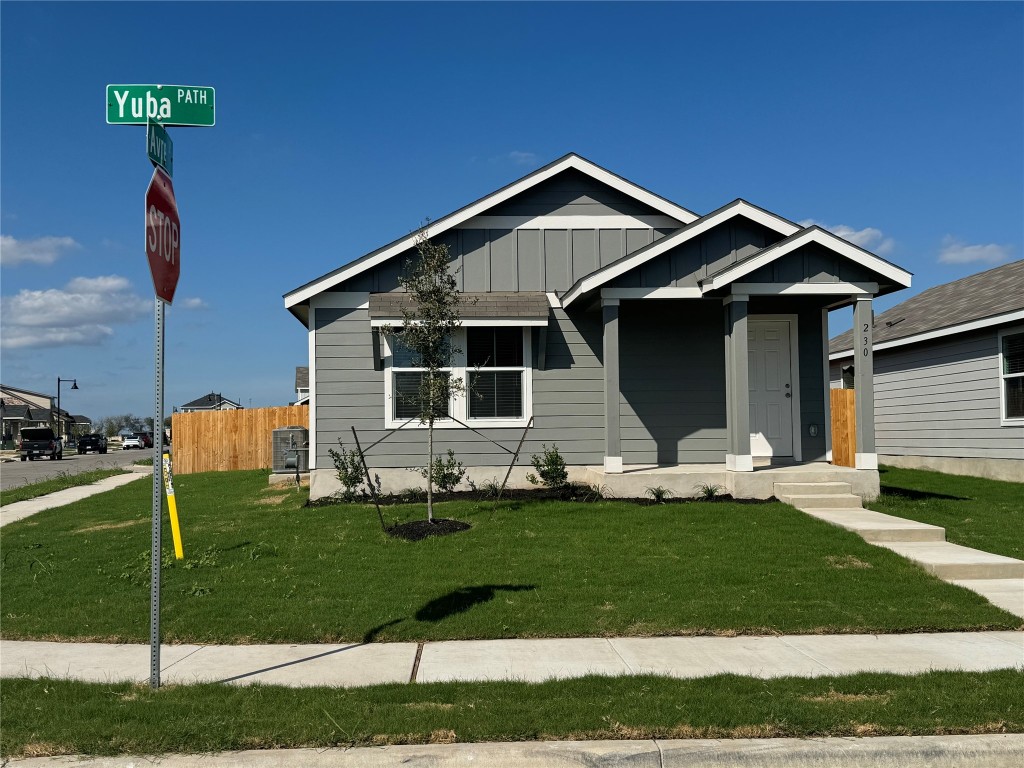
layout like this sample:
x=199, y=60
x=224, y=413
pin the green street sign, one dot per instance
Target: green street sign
x=182, y=105
x=160, y=148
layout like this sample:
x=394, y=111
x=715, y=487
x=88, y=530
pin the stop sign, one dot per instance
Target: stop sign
x=163, y=235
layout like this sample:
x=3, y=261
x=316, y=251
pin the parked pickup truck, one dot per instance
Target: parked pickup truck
x=40, y=441
x=93, y=442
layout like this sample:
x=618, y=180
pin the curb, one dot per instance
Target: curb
x=991, y=751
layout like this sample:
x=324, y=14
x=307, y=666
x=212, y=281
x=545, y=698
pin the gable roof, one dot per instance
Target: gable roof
x=209, y=401
x=695, y=228
x=305, y=292
x=301, y=377
x=980, y=300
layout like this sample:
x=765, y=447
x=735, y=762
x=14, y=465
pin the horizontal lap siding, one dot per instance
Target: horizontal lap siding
x=672, y=379
x=568, y=400
x=942, y=399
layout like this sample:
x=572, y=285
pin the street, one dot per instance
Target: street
x=17, y=473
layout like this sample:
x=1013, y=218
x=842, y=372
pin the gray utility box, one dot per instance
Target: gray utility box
x=291, y=449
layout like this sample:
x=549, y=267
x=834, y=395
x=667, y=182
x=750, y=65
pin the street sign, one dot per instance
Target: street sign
x=163, y=235
x=160, y=148
x=168, y=104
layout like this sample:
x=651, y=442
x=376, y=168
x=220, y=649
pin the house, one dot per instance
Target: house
x=630, y=331
x=949, y=376
x=301, y=385
x=211, y=402
x=23, y=408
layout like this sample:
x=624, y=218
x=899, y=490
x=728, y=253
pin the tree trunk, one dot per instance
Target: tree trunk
x=430, y=470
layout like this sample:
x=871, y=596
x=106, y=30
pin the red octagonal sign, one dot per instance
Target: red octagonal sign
x=163, y=235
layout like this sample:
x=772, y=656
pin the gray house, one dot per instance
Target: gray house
x=637, y=335
x=949, y=376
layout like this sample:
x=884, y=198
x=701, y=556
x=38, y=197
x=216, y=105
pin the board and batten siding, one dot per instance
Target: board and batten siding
x=568, y=400
x=941, y=399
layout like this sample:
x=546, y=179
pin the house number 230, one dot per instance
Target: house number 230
x=867, y=348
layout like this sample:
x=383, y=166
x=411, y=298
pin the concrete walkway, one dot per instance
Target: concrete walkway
x=19, y=510
x=996, y=751
x=526, y=660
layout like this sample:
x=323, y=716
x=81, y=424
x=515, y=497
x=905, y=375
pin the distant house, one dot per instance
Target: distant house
x=211, y=402
x=301, y=385
x=949, y=376
x=23, y=408
x=597, y=315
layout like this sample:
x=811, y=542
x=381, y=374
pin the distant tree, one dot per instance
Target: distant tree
x=428, y=329
x=111, y=425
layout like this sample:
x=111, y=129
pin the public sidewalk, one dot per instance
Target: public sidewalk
x=19, y=510
x=525, y=660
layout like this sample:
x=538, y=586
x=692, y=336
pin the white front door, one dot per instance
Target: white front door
x=771, y=388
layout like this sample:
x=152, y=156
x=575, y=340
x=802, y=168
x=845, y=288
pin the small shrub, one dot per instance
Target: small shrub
x=659, y=493
x=584, y=492
x=446, y=473
x=349, y=470
x=490, y=488
x=550, y=466
x=708, y=492
x=411, y=495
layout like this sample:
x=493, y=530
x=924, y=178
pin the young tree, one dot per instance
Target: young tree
x=428, y=329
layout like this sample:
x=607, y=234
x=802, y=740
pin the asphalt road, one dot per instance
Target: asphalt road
x=17, y=473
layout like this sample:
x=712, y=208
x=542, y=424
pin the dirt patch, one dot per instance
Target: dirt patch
x=418, y=530
x=845, y=562
x=444, y=736
x=110, y=526
x=271, y=501
x=43, y=749
x=835, y=697
x=434, y=705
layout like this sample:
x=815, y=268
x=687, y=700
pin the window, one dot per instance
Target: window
x=1011, y=372
x=493, y=364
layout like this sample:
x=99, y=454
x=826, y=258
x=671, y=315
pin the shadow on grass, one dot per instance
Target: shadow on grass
x=461, y=600
x=371, y=635
x=913, y=495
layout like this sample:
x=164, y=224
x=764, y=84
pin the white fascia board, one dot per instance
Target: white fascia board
x=467, y=322
x=738, y=208
x=666, y=292
x=577, y=221
x=974, y=325
x=810, y=235
x=805, y=289
x=475, y=209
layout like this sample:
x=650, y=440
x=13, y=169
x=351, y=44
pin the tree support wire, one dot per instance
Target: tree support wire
x=369, y=481
x=515, y=457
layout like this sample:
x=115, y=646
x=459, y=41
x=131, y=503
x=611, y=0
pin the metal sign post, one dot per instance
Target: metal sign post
x=158, y=450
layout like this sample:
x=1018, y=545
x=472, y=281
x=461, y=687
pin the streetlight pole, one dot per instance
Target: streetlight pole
x=74, y=385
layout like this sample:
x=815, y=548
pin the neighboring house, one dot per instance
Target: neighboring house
x=632, y=331
x=949, y=376
x=301, y=385
x=23, y=408
x=211, y=402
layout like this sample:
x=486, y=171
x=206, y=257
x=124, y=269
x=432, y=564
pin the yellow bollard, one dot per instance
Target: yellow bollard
x=173, y=507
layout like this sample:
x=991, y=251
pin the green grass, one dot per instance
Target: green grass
x=46, y=717
x=261, y=567
x=62, y=481
x=978, y=513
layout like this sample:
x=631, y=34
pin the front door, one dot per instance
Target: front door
x=771, y=388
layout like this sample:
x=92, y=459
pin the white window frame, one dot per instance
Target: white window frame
x=459, y=405
x=1004, y=420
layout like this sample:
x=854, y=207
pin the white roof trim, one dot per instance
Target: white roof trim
x=805, y=289
x=974, y=325
x=466, y=322
x=809, y=235
x=737, y=208
x=306, y=292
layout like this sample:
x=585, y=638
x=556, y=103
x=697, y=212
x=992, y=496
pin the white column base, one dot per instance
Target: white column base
x=739, y=462
x=866, y=461
x=613, y=465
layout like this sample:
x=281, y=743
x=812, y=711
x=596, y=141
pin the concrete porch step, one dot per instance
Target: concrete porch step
x=952, y=561
x=877, y=527
x=803, y=489
x=805, y=501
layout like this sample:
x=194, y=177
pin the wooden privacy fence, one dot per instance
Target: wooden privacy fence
x=844, y=428
x=211, y=441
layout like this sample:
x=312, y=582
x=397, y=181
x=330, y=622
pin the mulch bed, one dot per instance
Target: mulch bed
x=417, y=530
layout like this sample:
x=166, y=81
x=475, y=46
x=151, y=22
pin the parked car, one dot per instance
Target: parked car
x=94, y=442
x=133, y=441
x=147, y=439
x=40, y=441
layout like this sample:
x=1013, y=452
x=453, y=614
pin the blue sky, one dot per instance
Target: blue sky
x=343, y=126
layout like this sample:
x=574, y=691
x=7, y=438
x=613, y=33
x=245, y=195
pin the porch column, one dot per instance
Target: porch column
x=737, y=387
x=612, y=440
x=864, y=382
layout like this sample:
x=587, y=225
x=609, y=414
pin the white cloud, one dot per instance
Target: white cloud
x=193, y=303
x=523, y=158
x=42, y=250
x=81, y=313
x=869, y=238
x=958, y=252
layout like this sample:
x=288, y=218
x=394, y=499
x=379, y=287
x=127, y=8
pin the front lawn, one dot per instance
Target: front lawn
x=262, y=567
x=53, y=717
x=978, y=513
x=61, y=481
